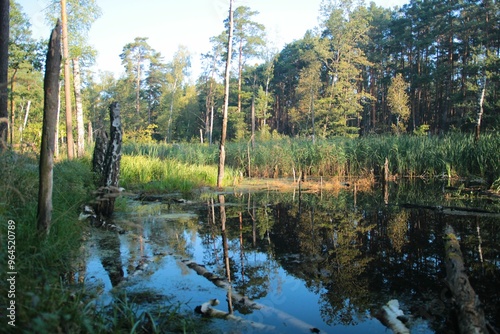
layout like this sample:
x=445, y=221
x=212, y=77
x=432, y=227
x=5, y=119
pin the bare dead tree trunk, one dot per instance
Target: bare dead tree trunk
x=106, y=163
x=4, y=71
x=222, y=149
x=67, y=82
x=80, y=126
x=113, y=154
x=51, y=99
x=470, y=313
x=100, y=148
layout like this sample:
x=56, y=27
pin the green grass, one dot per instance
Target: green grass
x=153, y=174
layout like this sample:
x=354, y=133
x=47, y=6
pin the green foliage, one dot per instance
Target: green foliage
x=422, y=130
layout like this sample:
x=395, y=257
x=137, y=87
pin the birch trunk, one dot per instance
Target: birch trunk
x=480, y=113
x=80, y=126
x=51, y=99
x=67, y=83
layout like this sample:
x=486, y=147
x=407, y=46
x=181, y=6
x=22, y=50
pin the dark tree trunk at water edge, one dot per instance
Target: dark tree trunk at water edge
x=106, y=163
x=51, y=100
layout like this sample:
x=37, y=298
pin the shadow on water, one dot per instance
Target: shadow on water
x=297, y=262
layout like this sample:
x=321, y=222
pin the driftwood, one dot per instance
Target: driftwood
x=207, y=309
x=392, y=317
x=106, y=164
x=51, y=99
x=469, y=310
x=245, y=301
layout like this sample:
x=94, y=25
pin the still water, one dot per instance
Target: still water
x=298, y=261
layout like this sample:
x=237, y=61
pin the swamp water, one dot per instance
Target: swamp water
x=304, y=262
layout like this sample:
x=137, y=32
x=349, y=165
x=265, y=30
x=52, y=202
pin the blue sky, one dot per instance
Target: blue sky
x=170, y=23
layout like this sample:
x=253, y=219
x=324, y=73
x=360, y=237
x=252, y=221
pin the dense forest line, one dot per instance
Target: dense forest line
x=428, y=67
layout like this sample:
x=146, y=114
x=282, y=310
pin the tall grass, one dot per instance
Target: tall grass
x=454, y=155
x=149, y=173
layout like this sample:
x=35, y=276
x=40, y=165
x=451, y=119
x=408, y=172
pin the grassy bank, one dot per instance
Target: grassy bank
x=43, y=301
x=47, y=292
x=455, y=155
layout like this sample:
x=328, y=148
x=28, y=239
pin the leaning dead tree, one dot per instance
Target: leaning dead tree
x=106, y=163
x=469, y=310
x=51, y=100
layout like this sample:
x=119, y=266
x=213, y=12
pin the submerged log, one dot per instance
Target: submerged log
x=392, y=317
x=454, y=210
x=469, y=310
x=245, y=301
x=207, y=309
x=51, y=98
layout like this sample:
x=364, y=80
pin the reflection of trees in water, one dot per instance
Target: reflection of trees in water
x=397, y=229
x=330, y=258
x=246, y=241
x=108, y=244
x=357, y=259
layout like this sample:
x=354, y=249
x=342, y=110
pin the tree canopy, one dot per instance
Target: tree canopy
x=365, y=69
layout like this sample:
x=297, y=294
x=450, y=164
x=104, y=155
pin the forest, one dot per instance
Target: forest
x=348, y=151
x=430, y=67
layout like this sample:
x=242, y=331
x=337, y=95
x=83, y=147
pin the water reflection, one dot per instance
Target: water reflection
x=328, y=260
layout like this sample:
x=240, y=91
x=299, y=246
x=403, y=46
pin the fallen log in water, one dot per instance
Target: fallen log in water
x=454, y=210
x=392, y=317
x=243, y=300
x=208, y=310
x=469, y=310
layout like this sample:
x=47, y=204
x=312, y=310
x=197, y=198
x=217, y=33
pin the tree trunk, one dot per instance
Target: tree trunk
x=222, y=150
x=51, y=98
x=12, y=106
x=106, y=163
x=170, y=115
x=138, y=87
x=28, y=106
x=4, y=71
x=253, y=121
x=100, y=148
x=90, y=137
x=240, y=73
x=469, y=310
x=480, y=113
x=67, y=82
x=80, y=126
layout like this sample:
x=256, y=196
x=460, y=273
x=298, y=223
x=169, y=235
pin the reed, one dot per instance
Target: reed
x=454, y=155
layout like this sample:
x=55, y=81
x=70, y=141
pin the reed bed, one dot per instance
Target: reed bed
x=454, y=155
